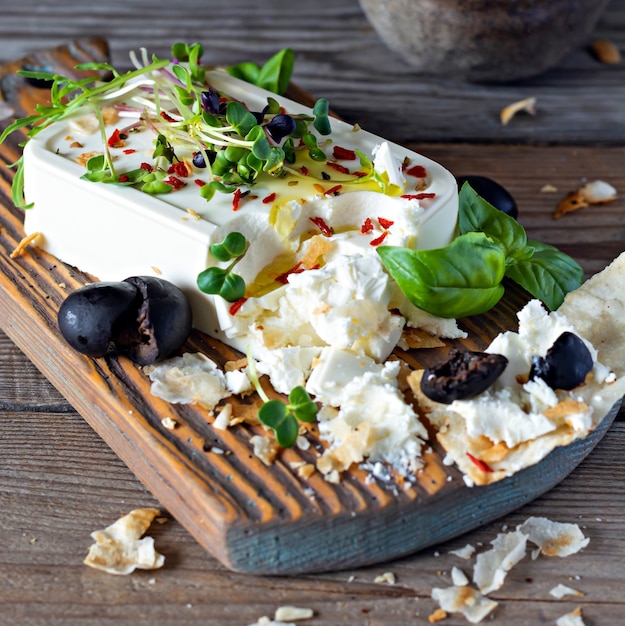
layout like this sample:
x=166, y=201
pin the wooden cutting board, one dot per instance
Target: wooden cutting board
x=252, y=517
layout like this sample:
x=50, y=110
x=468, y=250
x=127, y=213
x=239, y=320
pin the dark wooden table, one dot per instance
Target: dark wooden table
x=59, y=481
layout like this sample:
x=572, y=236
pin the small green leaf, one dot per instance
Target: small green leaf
x=304, y=409
x=240, y=118
x=322, y=123
x=276, y=416
x=233, y=246
x=275, y=74
x=548, y=275
x=461, y=279
x=249, y=72
x=478, y=215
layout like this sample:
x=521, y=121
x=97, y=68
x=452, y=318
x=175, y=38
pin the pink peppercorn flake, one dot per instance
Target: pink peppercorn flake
x=384, y=223
x=343, y=154
x=269, y=199
x=179, y=168
x=418, y=171
x=338, y=167
x=176, y=183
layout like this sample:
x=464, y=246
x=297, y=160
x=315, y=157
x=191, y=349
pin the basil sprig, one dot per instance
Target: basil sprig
x=464, y=278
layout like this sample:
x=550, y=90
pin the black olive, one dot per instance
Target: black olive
x=566, y=363
x=464, y=374
x=492, y=192
x=143, y=317
x=90, y=316
x=162, y=323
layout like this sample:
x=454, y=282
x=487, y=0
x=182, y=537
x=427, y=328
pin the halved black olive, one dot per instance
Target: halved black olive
x=465, y=374
x=144, y=317
x=89, y=318
x=162, y=323
x=566, y=364
x=492, y=192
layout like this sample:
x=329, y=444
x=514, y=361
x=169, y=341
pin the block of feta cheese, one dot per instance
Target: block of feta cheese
x=314, y=217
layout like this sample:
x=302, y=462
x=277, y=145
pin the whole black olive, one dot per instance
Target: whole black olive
x=162, y=323
x=566, y=363
x=89, y=317
x=464, y=374
x=492, y=192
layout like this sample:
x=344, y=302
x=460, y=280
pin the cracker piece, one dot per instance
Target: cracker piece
x=438, y=616
x=417, y=338
x=264, y=448
x=527, y=104
x=491, y=567
x=606, y=51
x=24, y=243
x=119, y=548
x=560, y=591
x=466, y=600
x=598, y=192
x=293, y=613
x=82, y=159
x=554, y=538
x=574, y=618
x=573, y=201
x=464, y=553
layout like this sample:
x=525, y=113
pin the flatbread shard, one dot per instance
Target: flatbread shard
x=120, y=548
x=515, y=424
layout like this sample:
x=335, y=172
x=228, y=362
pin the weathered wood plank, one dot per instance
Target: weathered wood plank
x=340, y=57
x=251, y=517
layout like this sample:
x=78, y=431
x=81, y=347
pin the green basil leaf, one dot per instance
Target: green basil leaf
x=249, y=72
x=276, y=416
x=548, y=275
x=275, y=74
x=461, y=279
x=478, y=215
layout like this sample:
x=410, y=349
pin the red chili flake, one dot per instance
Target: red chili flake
x=176, y=183
x=419, y=196
x=167, y=117
x=320, y=223
x=367, y=226
x=236, y=199
x=123, y=178
x=359, y=174
x=338, y=167
x=378, y=240
x=237, y=305
x=199, y=183
x=115, y=140
x=304, y=170
x=146, y=166
x=418, y=171
x=343, y=154
x=269, y=199
x=384, y=223
x=284, y=278
x=179, y=168
x=334, y=191
x=480, y=464
x=129, y=151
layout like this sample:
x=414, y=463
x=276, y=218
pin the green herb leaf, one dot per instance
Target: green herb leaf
x=275, y=74
x=548, y=274
x=478, y=215
x=221, y=282
x=276, y=416
x=233, y=246
x=249, y=72
x=163, y=149
x=301, y=404
x=322, y=122
x=461, y=279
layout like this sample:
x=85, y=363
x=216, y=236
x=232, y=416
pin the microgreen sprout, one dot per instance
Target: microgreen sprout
x=282, y=417
x=223, y=281
x=175, y=101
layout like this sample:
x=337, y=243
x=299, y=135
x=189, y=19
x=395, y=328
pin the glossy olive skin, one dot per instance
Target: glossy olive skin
x=143, y=317
x=464, y=374
x=566, y=364
x=492, y=192
x=163, y=321
x=90, y=316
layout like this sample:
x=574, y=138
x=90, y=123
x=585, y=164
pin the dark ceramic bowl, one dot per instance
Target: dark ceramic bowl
x=483, y=40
